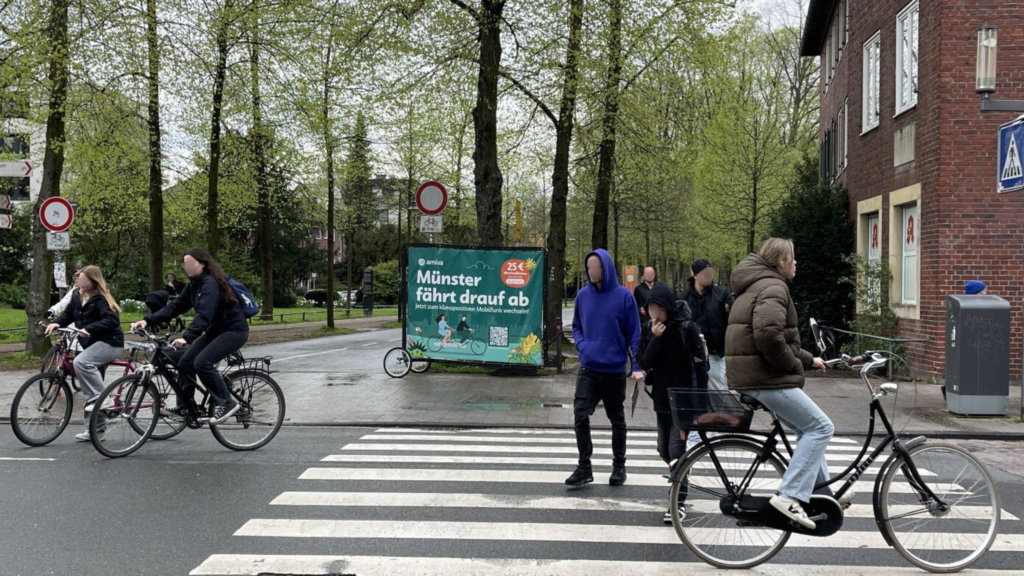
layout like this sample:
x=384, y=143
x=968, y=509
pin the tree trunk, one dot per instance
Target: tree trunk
x=615, y=257
x=329, y=148
x=606, y=168
x=259, y=152
x=212, y=207
x=348, y=280
x=53, y=167
x=487, y=173
x=156, y=183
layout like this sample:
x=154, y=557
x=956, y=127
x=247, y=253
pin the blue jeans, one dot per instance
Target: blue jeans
x=813, y=431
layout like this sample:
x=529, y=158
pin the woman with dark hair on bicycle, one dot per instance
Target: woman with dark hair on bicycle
x=764, y=360
x=218, y=329
x=95, y=312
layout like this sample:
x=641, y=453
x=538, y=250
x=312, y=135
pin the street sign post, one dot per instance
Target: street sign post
x=431, y=224
x=16, y=168
x=6, y=221
x=56, y=214
x=58, y=241
x=1011, y=156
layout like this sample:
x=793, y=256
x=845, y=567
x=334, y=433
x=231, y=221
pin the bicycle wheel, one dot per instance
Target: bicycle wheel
x=166, y=427
x=478, y=347
x=41, y=409
x=260, y=415
x=434, y=343
x=712, y=536
x=420, y=366
x=397, y=362
x=931, y=538
x=115, y=431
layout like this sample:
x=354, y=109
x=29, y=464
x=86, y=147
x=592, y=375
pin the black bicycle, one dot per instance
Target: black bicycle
x=936, y=504
x=122, y=429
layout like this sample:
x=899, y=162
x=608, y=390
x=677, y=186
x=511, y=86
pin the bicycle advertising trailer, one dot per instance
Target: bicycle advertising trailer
x=471, y=305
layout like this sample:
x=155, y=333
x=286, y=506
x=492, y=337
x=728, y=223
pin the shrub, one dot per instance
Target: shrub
x=16, y=296
x=133, y=307
x=317, y=296
x=386, y=283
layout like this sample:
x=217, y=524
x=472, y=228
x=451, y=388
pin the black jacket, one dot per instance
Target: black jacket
x=710, y=311
x=677, y=358
x=213, y=315
x=97, y=318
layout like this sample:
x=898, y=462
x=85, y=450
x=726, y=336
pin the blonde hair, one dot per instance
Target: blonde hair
x=777, y=252
x=94, y=274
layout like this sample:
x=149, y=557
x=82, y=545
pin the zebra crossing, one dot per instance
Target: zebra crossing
x=464, y=502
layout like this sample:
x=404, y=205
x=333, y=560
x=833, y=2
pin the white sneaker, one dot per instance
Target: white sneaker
x=847, y=499
x=107, y=405
x=790, y=508
x=83, y=437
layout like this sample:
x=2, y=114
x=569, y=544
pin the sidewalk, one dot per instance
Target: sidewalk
x=457, y=400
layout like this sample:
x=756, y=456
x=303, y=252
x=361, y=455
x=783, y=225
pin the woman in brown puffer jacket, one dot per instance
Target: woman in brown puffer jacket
x=764, y=360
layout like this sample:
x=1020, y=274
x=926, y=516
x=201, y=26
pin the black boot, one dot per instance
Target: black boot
x=581, y=477
x=618, y=477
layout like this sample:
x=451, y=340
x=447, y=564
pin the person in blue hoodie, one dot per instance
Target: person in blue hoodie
x=606, y=329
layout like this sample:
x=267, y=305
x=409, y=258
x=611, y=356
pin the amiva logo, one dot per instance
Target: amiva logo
x=431, y=262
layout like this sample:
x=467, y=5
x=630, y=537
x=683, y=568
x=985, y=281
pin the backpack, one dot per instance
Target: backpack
x=250, y=306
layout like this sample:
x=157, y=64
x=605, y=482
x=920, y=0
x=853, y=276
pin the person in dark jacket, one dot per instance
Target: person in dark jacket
x=672, y=356
x=643, y=290
x=606, y=331
x=174, y=286
x=710, y=305
x=764, y=360
x=95, y=312
x=218, y=329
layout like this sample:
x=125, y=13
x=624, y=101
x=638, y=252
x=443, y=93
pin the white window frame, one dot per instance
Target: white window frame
x=871, y=110
x=905, y=299
x=907, y=14
x=846, y=131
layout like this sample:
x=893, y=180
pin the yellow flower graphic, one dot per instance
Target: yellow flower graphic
x=531, y=264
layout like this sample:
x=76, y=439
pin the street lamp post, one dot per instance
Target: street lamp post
x=985, y=85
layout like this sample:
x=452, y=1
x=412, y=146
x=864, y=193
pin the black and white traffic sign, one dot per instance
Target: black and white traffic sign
x=56, y=214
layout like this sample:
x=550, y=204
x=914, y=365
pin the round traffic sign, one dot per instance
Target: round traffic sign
x=56, y=214
x=431, y=198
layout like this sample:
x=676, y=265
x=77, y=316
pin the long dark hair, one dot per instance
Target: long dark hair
x=213, y=269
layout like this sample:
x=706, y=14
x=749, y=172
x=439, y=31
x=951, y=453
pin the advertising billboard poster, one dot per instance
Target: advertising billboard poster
x=475, y=305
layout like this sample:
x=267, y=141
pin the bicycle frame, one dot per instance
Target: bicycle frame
x=67, y=366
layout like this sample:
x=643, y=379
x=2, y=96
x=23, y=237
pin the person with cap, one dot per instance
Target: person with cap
x=709, y=306
x=606, y=331
x=975, y=288
x=643, y=291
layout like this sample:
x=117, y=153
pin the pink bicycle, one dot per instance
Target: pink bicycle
x=43, y=405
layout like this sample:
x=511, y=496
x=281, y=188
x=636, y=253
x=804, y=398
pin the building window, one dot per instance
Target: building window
x=838, y=36
x=906, y=57
x=872, y=67
x=846, y=130
x=910, y=238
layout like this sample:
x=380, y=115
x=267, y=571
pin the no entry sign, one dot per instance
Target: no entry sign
x=431, y=198
x=56, y=214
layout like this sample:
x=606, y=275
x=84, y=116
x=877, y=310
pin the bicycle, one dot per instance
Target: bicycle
x=44, y=403
x=120, y=431
x=398, y=363
x=476, y=345
x=936, y=504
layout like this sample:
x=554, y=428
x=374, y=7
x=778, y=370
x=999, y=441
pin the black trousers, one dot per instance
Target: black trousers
x=201, y=359
x=591, y=388
x=671, y=446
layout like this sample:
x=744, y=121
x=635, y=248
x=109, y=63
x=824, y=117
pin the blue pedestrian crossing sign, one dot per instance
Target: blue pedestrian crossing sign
x=1011, y=156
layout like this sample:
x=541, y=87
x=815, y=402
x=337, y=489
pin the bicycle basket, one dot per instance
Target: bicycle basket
x=708, y=410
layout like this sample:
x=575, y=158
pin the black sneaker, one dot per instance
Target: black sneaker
x=668, y=515
x=618, y=477
x=223, y=412
x=581, y=477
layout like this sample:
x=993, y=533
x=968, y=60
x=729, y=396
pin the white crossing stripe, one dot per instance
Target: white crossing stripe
x=545, y=440
x=14, y=459
x=440, y=500
x=524, y=477
x=514, y=501
x=551, y=431
x=597, y=533
x=566, y=462
x=505, y=448
x=255, y=564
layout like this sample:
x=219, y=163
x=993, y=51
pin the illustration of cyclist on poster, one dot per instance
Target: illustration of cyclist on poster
x=475, y=305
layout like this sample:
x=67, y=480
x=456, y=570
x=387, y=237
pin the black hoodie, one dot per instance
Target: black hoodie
x=677, y=358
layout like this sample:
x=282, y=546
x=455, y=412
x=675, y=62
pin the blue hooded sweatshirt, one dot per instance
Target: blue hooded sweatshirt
x=606, y=325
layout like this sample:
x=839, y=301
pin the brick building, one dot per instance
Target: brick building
x=902, y=130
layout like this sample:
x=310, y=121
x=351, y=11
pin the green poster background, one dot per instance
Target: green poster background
x=499, y=291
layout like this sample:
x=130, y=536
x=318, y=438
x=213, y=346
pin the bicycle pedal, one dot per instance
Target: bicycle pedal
x=818, y=518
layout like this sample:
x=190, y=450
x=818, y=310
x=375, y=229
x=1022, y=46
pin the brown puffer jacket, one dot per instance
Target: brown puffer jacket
x=762, y=341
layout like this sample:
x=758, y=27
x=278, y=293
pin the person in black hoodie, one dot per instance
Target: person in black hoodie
x=95, y=312
x=710, y=304
x=672, y=355
x=218, y=329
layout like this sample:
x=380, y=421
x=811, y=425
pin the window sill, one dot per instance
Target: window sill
x=905, y=110
x=871, y=129
x=907, y=311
